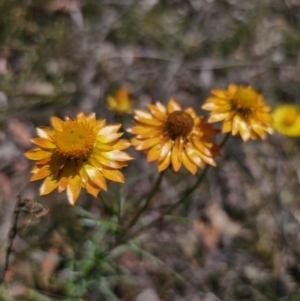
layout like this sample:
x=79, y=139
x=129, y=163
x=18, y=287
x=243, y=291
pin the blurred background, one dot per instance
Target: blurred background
x=238, y=237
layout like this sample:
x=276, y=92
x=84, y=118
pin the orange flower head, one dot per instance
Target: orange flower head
x=76, y=153
x=287, y=120
x=120, y=102
x=174, y=136
x=242, y=110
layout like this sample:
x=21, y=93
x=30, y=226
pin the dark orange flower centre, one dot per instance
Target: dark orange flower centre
x=245, y=98
x=76, y=140
x=179, y=123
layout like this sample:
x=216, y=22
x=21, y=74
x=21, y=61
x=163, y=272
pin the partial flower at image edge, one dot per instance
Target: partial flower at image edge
x=286, y=120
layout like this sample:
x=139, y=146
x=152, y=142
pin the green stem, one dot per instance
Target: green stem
x=225, y=140
x=171, y=207
x=119, y=208
x=147, y=202
x=181, y=199
x=107, y=208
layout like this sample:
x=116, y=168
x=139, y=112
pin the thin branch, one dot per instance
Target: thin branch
x=177, y=204
x=12, y=235
x=149, y=198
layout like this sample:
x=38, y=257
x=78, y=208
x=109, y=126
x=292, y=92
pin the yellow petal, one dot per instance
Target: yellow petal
x=193, y=156
x=161, y=107
x=37, y=154
x=103, y=147
x=209, y=106
x=154, y=132
x=48, y=186
x=81, y=116
x=239, y=125
x=41, y=173
x=232, y=88
x=227, y=126
x=122, y=144
x=200, y=146
x=191, y=112
x=217, y=101
x=62, y=184
x=265, y=118
x=91, y=119
x=83, y=174
x=176, y=159
x=108, y=138
x=44, y=143
x=34, y=169
x=113, y=175
x=217, y=117
x=111, y=102
x=109, y=129
x=94, y=161
x=92, y=188
x=43, y=161
x=208, y=160
x=149, y=121
x=153, y=153
x=244, y=130
x=100, y=161
x=145, y=144
x=257, y=128
x=143, y=114
x=44, y=132
x=97, y=158
x=156, y=112
x=73, y=189
x=100, y=123
x=190, y=166
x=235, y=124
x=57, y=123
x=64, y=174
x=165, y=163
x=220, y=93
x=165, y=149
x=95, y=176
x=118, y=155
x=253, y=135
x=222, y=109
x=173, y=105
x=140, y=130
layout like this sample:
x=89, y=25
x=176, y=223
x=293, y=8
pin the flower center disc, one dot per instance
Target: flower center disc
x=245, y=98
x=76, y=140
x=290, y=118
x=179, y=123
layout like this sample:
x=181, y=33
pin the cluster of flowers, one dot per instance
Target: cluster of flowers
x=83, y=152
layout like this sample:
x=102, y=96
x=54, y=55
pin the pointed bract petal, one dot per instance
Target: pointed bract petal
x=73, y=189
x=57, y=123
x=48, y=186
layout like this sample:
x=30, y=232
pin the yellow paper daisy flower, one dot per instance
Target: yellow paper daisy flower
x=76, y=153
x=242, y=110
x=120, y=102
x=287, y=120
x=174, y=136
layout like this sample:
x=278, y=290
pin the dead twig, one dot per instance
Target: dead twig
x=12, y=234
